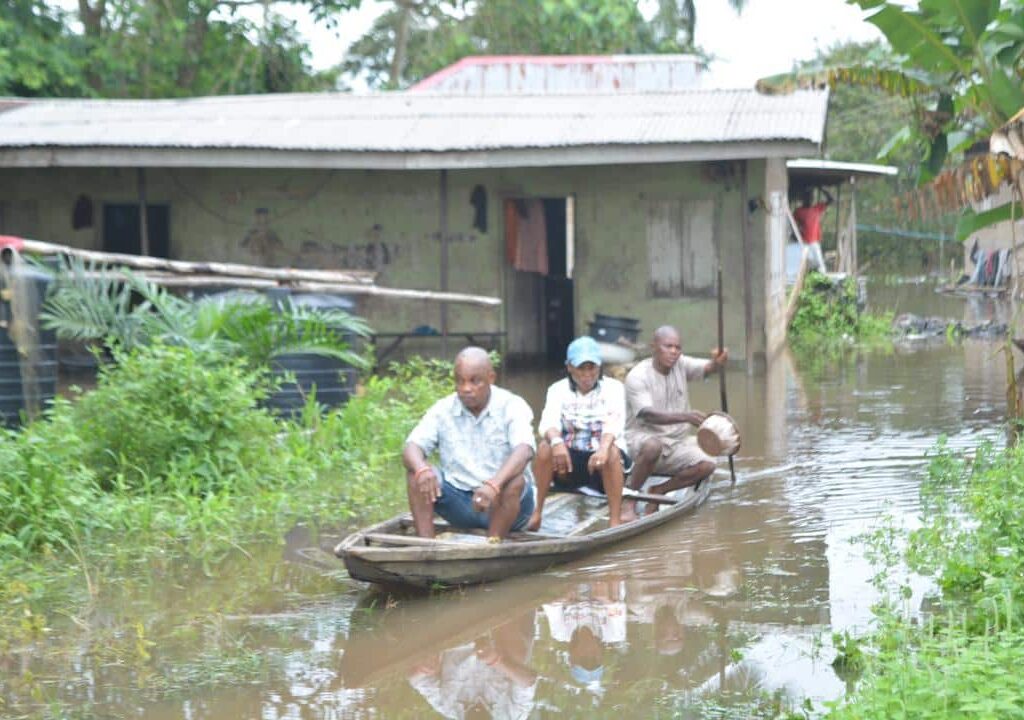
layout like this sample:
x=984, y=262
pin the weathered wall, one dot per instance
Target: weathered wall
x=775, y=229
x=388, y=221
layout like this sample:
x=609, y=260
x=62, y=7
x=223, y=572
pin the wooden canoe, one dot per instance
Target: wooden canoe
x=392, y=555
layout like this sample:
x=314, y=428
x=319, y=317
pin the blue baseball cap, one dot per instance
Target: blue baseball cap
x=583, y=350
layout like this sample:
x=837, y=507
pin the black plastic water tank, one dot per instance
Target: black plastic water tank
x=14, y=371
x=334, y=380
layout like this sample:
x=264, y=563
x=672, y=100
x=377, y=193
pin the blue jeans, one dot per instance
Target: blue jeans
x=456, y=507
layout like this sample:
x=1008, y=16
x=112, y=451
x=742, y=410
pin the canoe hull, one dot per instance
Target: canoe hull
x=448, y=564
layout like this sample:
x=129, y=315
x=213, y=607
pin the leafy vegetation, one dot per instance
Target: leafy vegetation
x=172, y=445
x=135, y=48
x=828, y=314
x=170, y=465
x=93, y=302
x=414, y=39
x=862, y=119
x=958, y=63
x=962, y=661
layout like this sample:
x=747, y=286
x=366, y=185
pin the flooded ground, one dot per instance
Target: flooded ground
x=733, y=606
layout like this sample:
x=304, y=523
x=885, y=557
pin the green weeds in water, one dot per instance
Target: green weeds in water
x=828, y=315
x=170, y=462
x=964, y=660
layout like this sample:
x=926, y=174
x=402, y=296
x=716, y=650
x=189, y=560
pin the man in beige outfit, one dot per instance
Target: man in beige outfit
x=659, y=422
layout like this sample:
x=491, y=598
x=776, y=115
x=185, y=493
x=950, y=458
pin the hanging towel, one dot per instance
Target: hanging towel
x=527, y=235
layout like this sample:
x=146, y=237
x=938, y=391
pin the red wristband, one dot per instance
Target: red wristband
x=492, y=486
x=422, y=470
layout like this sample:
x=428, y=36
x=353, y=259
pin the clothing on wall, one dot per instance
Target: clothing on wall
x=526, y=236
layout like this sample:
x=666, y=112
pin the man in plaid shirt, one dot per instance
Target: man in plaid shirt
x=582, y=432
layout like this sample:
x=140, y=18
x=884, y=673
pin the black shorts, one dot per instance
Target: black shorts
x=579, y=477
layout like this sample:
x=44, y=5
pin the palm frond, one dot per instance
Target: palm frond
x=892, y=81
x=91, y=301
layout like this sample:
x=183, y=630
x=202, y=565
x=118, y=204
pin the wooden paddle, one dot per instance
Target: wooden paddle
x=721, y=370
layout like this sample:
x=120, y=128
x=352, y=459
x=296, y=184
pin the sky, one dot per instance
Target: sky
x=766, y=39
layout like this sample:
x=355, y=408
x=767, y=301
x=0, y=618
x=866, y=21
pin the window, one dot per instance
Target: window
x=122, y=231
x=19, y=218
x=681, y=254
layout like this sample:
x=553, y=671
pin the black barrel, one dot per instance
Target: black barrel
x=333, y=380
x=15, y=371
x=12, y=395
x=609, y=328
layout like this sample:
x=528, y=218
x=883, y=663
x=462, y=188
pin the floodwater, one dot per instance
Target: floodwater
x=729, y=610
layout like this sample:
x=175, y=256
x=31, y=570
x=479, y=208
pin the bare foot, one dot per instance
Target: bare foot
x=534, y=524
x=627, y=513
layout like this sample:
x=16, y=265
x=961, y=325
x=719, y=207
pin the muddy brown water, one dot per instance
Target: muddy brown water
x=732, y=606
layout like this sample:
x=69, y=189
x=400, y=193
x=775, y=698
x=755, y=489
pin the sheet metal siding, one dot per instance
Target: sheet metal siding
x=404, y=123
x=529, y=77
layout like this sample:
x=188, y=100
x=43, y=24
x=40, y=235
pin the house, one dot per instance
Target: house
x=564, y=205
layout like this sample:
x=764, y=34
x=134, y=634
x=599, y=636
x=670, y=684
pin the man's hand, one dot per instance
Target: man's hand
x=597, y=461
x=483, y=496
x=561, y=461
x=696, y=418
x=719, y=356
x=427, y=484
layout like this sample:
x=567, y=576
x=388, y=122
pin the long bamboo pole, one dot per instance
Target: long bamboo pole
x=198, y=281
x=721, y=370
x=37, y=247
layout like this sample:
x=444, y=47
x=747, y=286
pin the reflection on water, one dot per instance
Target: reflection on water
x=733, y=605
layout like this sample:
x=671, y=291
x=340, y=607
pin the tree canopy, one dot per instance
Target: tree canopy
x=145, y=48
x=417, y=37
x=960, y=65
x=179, y=48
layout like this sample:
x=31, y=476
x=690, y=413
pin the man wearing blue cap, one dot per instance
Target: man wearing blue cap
x=582, y=432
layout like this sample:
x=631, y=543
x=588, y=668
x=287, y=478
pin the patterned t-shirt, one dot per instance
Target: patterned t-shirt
x=582, y=419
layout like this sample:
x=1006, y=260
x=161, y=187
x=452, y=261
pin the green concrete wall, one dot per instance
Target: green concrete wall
x=388, y=222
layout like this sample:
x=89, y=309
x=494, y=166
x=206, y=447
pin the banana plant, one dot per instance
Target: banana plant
x=960, y=64
x=89, y=301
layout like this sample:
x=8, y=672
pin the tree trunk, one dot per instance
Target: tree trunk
x=92, y=17
x=401, y=41
x=195, y=36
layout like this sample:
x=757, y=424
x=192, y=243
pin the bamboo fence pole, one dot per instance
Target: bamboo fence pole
x=200, y=281
x=362, y=277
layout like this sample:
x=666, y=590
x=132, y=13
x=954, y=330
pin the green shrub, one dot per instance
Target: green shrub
x=370, y=430
x=827, y=313
x=173, y=445
x=174, y=418
x=164, y=420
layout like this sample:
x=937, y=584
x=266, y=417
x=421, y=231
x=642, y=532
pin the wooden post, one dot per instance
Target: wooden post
x=839, y=217
x=748, y=300
x=444, y=260
x=143, y=213
x=853, y=227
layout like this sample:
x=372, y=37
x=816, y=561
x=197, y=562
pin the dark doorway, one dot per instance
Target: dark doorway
x=539, y=236
x=558, y=300
x=122, y=232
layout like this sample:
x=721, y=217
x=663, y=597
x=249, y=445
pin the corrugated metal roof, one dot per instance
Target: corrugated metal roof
x=558, y=74
x=805, y=171
x=416, y=123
